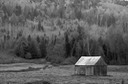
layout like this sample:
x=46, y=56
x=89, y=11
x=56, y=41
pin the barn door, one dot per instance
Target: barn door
x=92, y=71
x=89, y=70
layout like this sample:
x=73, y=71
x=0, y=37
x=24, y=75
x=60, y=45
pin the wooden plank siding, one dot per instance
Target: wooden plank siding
x=91, y=70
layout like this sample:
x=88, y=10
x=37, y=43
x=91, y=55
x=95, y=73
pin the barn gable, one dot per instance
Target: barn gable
x=101, y=62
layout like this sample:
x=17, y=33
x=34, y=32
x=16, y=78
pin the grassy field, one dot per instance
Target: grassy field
x=62, y=74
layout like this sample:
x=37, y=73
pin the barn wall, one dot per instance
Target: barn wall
x=84, y=70
x=104, y=71
x=91, y=70
x=80, y=70
x=100, y=70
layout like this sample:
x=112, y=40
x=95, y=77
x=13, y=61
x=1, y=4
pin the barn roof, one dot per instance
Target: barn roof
x=90, y=60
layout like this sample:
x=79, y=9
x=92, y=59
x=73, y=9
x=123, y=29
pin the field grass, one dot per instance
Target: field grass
x=62, y=74
x=118, y=68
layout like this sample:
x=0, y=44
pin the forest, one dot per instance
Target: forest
x=61, y=31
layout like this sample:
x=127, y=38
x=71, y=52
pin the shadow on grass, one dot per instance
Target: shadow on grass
x=39, y=82
x=23, y=70
x=92, y=76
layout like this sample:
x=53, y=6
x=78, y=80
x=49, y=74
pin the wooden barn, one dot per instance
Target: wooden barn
x=91, y=65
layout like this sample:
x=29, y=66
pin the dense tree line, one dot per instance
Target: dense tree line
x=91, y=27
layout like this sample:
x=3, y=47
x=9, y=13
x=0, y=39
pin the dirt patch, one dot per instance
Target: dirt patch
x=22, y=70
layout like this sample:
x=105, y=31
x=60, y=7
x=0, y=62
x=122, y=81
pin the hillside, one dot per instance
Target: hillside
x=60, y=31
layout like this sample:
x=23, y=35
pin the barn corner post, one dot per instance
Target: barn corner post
x=85, y=71
x=75, y=72
x=122, y=81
